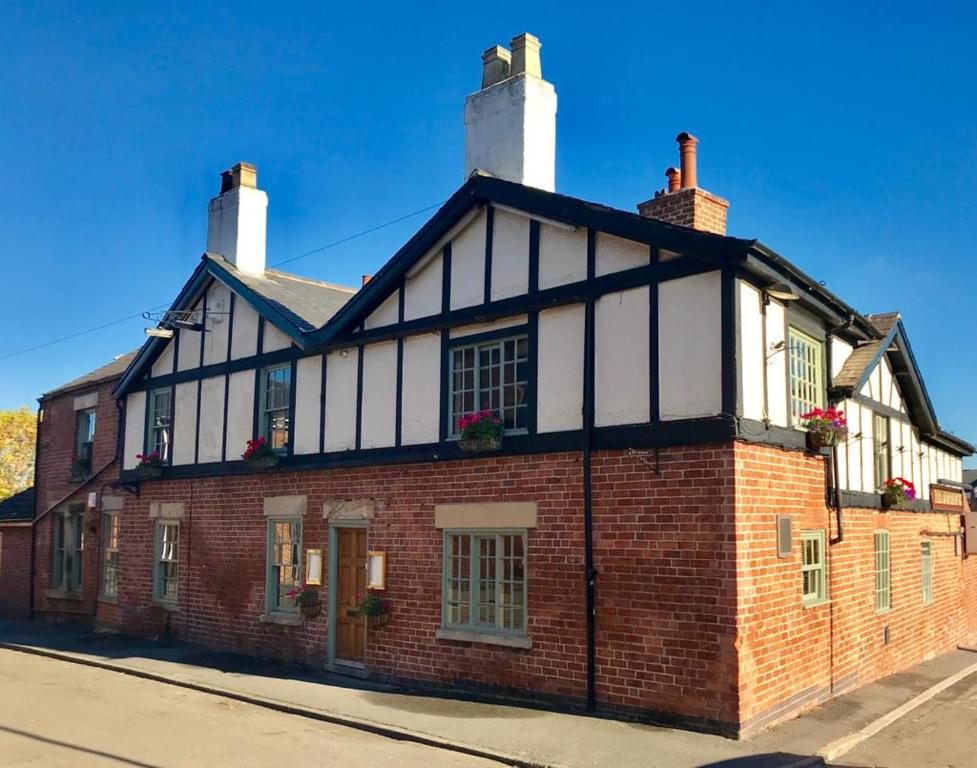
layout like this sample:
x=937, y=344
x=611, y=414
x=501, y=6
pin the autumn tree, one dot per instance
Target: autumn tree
x=18, y=430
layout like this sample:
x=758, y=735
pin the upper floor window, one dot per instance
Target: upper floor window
x=276, y=388
x=84, y=440
x=881, y=449
x=806, y=360
x=491, y=376
x=66, y=565
x=160, y=433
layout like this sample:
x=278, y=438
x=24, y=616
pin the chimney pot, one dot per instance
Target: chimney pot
x=525, y=55
x=686, y=147
x=674, y=176
x=496, y=63
x=367, y=278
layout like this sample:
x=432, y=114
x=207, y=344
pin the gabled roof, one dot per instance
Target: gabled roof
x=18, y=508
x=106, y=373
x=860, y=364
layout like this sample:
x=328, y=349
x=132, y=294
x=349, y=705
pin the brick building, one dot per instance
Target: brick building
x=16, y=513
x=652, y=537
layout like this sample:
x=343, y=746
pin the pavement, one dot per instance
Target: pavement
x=505, y=733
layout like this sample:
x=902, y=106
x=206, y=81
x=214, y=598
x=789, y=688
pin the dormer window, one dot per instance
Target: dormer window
x=806, y=360
x=274, y=422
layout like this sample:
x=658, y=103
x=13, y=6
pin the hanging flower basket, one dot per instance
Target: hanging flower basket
x=307, y=599
x=311, y=610
x=896, y=491
x=375, y=609
x=825, y=428
x=260, y=455
x=150, y=466
x=480, y=432
x=378, y=621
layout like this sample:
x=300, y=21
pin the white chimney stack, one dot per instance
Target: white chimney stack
x=238, y=220
x=510, y=124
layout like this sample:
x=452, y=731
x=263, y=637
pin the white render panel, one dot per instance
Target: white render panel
x=562, y=255
x=135, y=439
x=341, y=400
x=164, y=363
x=468, y=265
x=218, y=322
x=899, y=468
x=751, y=351
x=379, y=418
x=240, y=413
x=421, y=389
x=840, y=352
x=777, y=410
x=422, y=294
x=615, y=254
x=188, y=350
x=690, y=346
x=386, y=313
x=244, y=337
x=496, y=325
x=885, y=383
x=308, y=407
x=184, y=423
x=211, y=419
x=854, y=417
x=510, y=255
x=841, y=456
x=869, y=481
x=621, y=386
x=273, y=339
x=560, y=369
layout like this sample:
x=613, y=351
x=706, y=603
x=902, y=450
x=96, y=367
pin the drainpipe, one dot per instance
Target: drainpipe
x=37, y=504
x=588, y=523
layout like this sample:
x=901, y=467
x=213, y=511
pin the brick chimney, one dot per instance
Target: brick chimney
x=683, y=202
x=238, y=219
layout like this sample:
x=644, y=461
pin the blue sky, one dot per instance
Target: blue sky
x=844, y=136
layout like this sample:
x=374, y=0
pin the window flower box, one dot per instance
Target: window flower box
x=150, y=466
x=480, y=432
x=260, y=455
x=896, y=491
x=826, y=428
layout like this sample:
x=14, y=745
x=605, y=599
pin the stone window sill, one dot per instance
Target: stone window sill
x=60, y=594
x=488, y=638
x=108, y=599
x=284, y=619
x=166, y=605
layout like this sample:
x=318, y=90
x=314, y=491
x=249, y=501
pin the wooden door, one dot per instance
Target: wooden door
x=351, y=586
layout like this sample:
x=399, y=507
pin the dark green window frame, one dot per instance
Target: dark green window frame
x=274, y=415
x=490, y=375
x=68, y=545
x=159, y=429
x=166, y=561
x=284, y=563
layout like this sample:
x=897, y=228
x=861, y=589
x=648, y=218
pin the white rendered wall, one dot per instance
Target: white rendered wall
x=854, y=445
x=218, y=322
x=621, y=383
x=188, y=350
x=421, y=389
x=379, y=417
x=840, y=352
x=135, y=429
x=510, y=255
x=615, y=254
x=869, y=481
x=422, y=294
x=751, y=355
x=562, y=255
x=211, y=419
x=386, y=313
x=184, y=422
x=341, y=400
x=244, y=336
x=460, y=331
x=240, y=413
x=777, y=410
x=273, y=339
x=164, y=363
x=468, y=265
x=560, y=369
x=690, y=346
x=308, y=407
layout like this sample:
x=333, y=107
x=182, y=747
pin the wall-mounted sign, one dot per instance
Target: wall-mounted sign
x=376, y=570
x=313, y=567
x=946, y=499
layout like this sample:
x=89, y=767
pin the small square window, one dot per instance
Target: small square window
x=814, y=588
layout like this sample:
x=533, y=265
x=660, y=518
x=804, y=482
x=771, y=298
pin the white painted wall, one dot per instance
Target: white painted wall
x=211, y=419
x=778, y=410
x=560, y=369
x=621, y=348
x=869, y=482
x=386, y=313
x=244, y=337
x=468, y=265
x=615, y=254
x=135, y=437
x=218, y=323
x=460, y=331
x=690, y=346
x=379, y=418
x=164, y=363
x=840, y=352
x=308, y=407
x=421, y=389
x=751, y=353
x=562, y=255
x=854, y=445
x=510, y=255
x=341, y=401
x=184, y=422
x=188, y=352
x=422, y=294
x=273, y=339
x=240, y=413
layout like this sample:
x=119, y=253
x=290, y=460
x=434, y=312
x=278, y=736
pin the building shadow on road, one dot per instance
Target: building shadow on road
x=75, y=747
x=774, y=760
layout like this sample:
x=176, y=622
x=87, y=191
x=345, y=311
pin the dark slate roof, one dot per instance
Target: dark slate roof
x=307, y=304
x=866, y=354
x=113, y=370
x=970, y=476
x=18, y=508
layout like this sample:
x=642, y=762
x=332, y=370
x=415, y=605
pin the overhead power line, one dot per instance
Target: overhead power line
x=321, y=248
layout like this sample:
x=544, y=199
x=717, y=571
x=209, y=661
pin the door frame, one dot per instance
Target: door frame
x=332, y=663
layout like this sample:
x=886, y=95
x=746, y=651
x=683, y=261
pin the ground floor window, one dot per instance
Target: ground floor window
x=68, y=540
x=167, y=570
x=110, y=554
x=883, y=575
x=926, y=552
x=485, y=581
x=813, y=581
x=284, y=562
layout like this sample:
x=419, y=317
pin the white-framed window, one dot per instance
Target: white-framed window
x=284, y=562
x=814, y=584
x=490, y=376
x=883, y=572
x=159, y=436
x=167, y=561
x=926, y=556
x=111, y=526
x=68, y=546
x=274, y=421
x=806, y=366
x=484, y=581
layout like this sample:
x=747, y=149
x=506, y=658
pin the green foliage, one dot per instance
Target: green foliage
x=18, y=431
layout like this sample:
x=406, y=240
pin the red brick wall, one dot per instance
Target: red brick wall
x=793, y=657
x=15, y=563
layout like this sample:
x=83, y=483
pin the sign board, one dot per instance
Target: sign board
x=376, y=570
x=946, y=499
x=313, y=566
